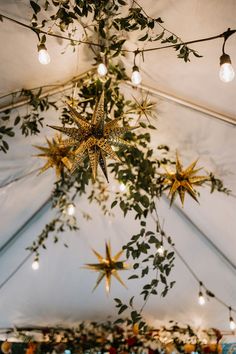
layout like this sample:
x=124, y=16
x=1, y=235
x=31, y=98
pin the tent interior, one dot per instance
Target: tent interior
x=195, y=114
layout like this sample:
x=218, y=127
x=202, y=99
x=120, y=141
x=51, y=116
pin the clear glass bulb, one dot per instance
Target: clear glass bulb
x=226, y=72
x=232, y=324
x=43, y=56
x=35, y=265
x=102, y=69
x=70, y=210
x=122, y=187
x=201, y=299
x=161, y=250
x=136, y=78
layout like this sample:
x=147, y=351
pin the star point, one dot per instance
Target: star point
x=183, y=181
x=108, y=266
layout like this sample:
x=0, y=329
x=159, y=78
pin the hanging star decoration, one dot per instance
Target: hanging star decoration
x=143, y=107
x=108, y=267
x=183, y=181
x=94, y=139
x=55, y=152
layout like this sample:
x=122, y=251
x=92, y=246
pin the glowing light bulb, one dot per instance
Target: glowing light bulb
x=122, y=187
x=102, y=69
x=136, y=78
x=35, y=264
x=232, y=324
x=43, y=55
x=201, y=299
x=70, y=210
x=226, y=72
x=161, y=250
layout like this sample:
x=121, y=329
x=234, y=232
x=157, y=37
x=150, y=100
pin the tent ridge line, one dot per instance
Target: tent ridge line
x=212, y=114
x=17, y=233
x=227, y=261
x=59, y=88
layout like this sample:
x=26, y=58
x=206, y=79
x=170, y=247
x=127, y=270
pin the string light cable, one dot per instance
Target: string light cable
x=202, y=288
x=226, y=69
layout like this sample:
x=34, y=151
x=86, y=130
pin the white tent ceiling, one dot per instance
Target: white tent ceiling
x=60, y=292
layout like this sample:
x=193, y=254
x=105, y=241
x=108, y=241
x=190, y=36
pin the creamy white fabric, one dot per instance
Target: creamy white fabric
x=60, y=291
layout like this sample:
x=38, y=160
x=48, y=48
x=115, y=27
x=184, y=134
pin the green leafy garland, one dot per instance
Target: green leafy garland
x=93, y=337
x=140, y=169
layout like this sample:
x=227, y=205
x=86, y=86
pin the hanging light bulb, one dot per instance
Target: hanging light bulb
x=161, y=250
x=201, y=299
x=43, y=55
x=232, y=324
x=102, y=69
x=35, y=264
x=70, y=210
x=226, y=72
x=122, y=187
x=136, y=78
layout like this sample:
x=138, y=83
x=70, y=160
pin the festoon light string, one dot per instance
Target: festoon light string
x=226, y=72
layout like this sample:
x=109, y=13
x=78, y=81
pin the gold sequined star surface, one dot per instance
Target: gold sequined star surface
x=183, y=181
x=54, y=153
x=94, y=139
x=107, y=267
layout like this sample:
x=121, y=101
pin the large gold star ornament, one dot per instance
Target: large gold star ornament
x=183, y=181
x=94, y=139
x=54, y=153
x=107, y=267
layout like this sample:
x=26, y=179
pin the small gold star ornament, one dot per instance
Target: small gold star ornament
x=55, y=152
x=108, y=266
x=183, y=181
x=94, y=139
x=143, y=107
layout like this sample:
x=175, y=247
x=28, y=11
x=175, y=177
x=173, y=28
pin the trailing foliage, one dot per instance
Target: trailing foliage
x=93, y=337
x=140, y=168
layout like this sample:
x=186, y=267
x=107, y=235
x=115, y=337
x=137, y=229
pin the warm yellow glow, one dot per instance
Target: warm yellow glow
x=136, y=77
x=122, y=187
x=226, y=72
x=70, y=209
x=232, y=324
x=201, y=299
x=161, y=250
x=102, y=69
x=43, y=56
x=35, y=265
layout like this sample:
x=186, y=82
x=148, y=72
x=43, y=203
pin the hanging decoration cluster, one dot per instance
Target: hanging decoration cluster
x=93, y=138
x=96, y=337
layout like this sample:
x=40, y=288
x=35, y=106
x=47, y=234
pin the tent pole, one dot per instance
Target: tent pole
x=188, y=104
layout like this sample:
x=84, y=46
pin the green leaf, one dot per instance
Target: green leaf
x=134, y=276
x=35, y=7
x=144, y=37
x=122, y=309
x=17, y=120
x=131, y=301
x=114, y=204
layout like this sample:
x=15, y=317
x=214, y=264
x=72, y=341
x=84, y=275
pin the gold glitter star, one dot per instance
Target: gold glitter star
x=55, y=152
x=93, y=139
x=108, y=267
x=182, y=181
